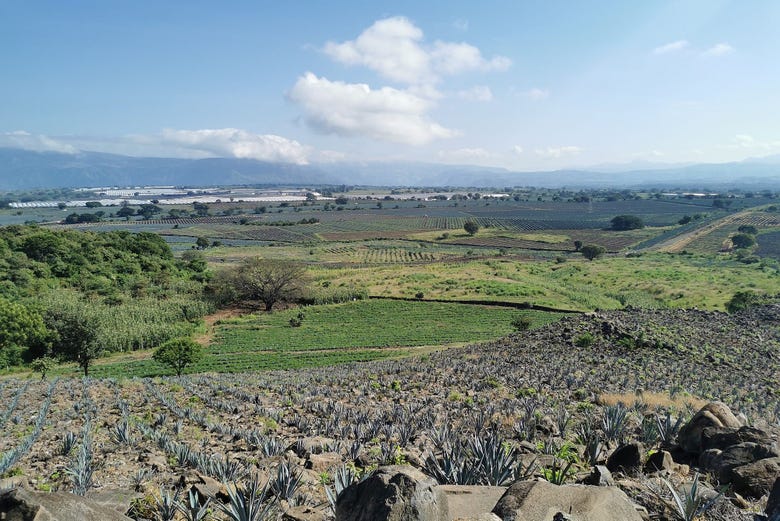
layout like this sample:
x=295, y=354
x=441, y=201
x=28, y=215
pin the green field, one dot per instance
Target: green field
x=337, y=333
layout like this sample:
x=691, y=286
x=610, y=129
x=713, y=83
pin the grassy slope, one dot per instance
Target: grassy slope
x=355, y=331
x=652, y=280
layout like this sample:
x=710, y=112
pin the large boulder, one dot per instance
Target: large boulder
x=723, y=462
x=773, y=503
x=26, y=505
x=542, y=501
x=756, y=479
x=393, y=493
x=723, y=437
x=714, y=414
x=626, y=458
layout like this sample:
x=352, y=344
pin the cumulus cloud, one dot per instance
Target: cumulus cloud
x=354, y=109
x=478, y=93
x=679, y=45
x=720, y=49
x=232, y=142
x=557, y=152
x=35, y=142
x=395, y=49
x=517, y=149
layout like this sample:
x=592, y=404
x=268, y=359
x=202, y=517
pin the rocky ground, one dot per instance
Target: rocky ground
x=607, y=398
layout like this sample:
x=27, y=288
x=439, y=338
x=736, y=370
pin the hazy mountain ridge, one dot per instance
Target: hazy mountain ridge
x=24, y=169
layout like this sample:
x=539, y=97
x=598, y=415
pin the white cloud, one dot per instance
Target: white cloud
x=536, y=94
x=517, y=149
x=720, y=49
x=354, y=109
x=746, y=141
x=232, y=142
x=679, y=45
x=557, y=152
x=395, y=49
x=330, y=156
x=464, y=154
x=455, y=58
x=35, y=142
x=478, y=93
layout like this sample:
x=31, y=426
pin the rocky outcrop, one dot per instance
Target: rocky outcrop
x=26, y=505
x=394, y=493
x=748, y=458
x=542, y=501
x=714, y=414
x=756, y=479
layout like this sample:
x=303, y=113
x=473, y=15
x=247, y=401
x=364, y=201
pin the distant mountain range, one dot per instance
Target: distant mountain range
x=23, y=169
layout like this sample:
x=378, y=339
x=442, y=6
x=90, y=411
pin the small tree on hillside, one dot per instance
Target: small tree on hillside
x=76, y=333
x=577, y=245
x=627, y=222
x=43, y=365
x=743, y=240
x=592, y=251
x=178, y=354
x=471, y=227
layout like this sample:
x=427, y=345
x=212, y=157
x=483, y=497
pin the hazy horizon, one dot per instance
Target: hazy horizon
x=521, y=86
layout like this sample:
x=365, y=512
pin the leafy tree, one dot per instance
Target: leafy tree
x=76, y=334
x=265, y=280
x=747, y=228
x=19, y=327
x=341, y=200
x=125, y=212
x=577, y=245
x=471, y=227
x=202, y=209
x=592, y=251
x=202, y=243
x=743, y=240
x=178, y=354
x=148, y=210
x=627, y=222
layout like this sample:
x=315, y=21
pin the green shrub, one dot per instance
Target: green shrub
x=584, y=340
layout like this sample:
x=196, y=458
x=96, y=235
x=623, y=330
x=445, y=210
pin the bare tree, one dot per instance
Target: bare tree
x=265, y=280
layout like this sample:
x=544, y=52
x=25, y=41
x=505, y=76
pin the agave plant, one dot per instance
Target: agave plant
x=165, y=505
x=287, y=481
x=690, y=503
x=247, y=502
x=193, y=509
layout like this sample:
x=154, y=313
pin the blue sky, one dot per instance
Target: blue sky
x=517, y=84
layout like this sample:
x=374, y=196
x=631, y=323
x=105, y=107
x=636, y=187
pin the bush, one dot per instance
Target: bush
x=743, y=240
x=521, y=323
x=748, y=228
x=178, y=354
x=627, y=222
x=592, y=251
x=584, y=340
x=743, y=300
